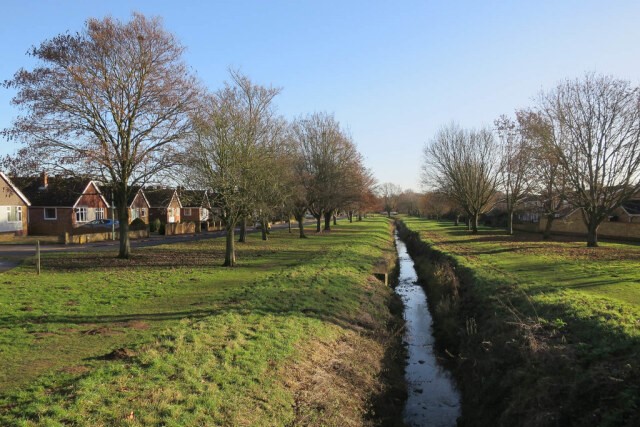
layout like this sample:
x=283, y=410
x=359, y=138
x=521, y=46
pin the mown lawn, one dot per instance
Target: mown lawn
x=557, y=340
x=299, y=333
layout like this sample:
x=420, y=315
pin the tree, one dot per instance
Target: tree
x=596, y=140
x=389, y=193
x=329, y=166
x=462, y=164
x=236, y=132
x=112, y=101
x=547, y=174
x=515, y=167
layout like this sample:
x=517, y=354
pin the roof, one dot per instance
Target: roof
x=135, y=189
x=15, y=189
x=60, y=191
x=159, y=197
x=194, y=198
x=632, y=207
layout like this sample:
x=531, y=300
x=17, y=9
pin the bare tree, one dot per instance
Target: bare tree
x=111, y=101
x=515, y=166
x=596, y=140
x=548, y=176
x=233, y=143
x=389, y=194
x=328, y=164
x=463, y=165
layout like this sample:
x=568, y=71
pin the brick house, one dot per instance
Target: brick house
x=195, y=205
x=164, y=204
x=60, y=204
x=13, y=208
x=137, y=203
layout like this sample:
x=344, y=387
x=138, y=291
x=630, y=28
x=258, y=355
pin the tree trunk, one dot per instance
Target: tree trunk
x=350, y=216
x=359, y=216
x=546, y=234
x=243, y=230
x=300, y=219
x=592, y=233
x=264, y=229
x=388, y=214
x=124, y=251
x=457, y=220
x=289, y=221
x=318, y=223
x=510, y=223
x=230, y=252
x=327, y=221
x=335, y=219
x=474, y=225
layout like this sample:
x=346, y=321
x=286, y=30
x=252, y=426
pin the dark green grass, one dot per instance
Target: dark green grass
x=205, y=345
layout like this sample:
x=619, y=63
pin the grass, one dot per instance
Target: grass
x=299, y=333
x=558, y=326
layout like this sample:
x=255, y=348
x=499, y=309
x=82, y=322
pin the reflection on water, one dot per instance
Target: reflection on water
x=433, y=399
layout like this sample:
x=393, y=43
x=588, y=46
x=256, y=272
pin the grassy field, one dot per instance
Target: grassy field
x=299, y=334
x=548, y=331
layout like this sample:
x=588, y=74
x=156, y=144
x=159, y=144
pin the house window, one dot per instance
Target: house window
x=50, y=213
x=81, y=214
x=187, y=211
x=99, y=213
x=14, y=213
x=143, y=212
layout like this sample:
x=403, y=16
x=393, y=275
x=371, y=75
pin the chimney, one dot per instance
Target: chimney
x=44, y=180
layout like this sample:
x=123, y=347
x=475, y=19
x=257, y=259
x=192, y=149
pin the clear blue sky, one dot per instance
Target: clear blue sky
x=391, y=72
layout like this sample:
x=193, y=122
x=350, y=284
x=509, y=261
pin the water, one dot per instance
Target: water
x=432, y=397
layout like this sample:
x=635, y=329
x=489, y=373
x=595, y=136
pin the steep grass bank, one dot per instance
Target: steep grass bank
x=540, y=333
x=299, y=334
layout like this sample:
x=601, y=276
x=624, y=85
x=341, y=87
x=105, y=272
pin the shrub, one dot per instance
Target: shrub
x=154, y=225
x=137, y=224
x=161, y=228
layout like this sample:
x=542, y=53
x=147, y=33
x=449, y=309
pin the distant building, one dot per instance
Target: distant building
x=13, y=208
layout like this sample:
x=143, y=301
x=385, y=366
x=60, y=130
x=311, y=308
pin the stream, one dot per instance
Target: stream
x=432, y=396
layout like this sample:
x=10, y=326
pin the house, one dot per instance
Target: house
x=13, y=208
x=61, y=204
x=164, y=204
x=195, y=205
x=137, y=203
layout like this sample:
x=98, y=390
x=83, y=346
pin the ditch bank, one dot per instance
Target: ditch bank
x=512, y=366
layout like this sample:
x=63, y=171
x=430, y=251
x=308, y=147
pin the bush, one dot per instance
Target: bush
x=137, y=224
x=154, y=225
x=161, y=228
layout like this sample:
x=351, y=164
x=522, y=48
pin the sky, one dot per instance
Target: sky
x=391, y=72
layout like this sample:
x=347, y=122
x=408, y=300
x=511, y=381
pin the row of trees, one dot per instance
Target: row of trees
x=578, y=145
x=116, y=101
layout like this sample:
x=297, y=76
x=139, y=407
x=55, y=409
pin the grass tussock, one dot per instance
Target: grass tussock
x=540, y=333
x=299, y=334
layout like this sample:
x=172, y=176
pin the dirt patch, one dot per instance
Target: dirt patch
x=75, y=370
x=102, y=330
x=137, y=324
x=120, y=354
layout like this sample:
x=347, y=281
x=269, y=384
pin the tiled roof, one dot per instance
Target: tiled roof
x=60, y=191
x=632, y=207
x=159, y=197
x=106, y=190
x=193, y=198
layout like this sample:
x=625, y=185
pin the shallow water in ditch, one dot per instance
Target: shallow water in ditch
x=432, y=396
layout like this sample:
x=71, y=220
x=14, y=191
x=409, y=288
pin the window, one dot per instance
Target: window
x=14, y=213
x=143, y=212
x=50, y=213
x=81, y=214
x=187, y=211
x=99, y=213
